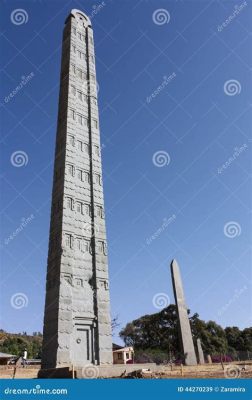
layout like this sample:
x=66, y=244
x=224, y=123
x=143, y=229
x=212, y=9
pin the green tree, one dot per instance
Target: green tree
x=158, y=333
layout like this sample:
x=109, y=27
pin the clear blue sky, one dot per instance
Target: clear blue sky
x=191, y=117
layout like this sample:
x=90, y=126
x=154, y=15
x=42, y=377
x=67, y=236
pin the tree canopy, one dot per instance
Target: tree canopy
x=159, y=332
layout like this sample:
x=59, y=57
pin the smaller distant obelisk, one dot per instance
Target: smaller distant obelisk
x=184, y=324
x=200, y=352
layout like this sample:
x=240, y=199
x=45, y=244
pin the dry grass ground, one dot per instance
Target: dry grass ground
x=235, y=370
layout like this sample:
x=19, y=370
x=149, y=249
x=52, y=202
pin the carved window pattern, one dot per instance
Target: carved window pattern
x=97, y=179
x=105, y=250
x=69, y=203
x=86, y=177
x=80, y=73
x=69, y=240
x=72, y=113
x=79, y=174
x=72, y=140
x=78, y=207
x=95, y=123
x=82, y=120
x=80, y=145
x=99, y=247
x=86, y=147
x=70, y=169
x=81, y=55
x=99, y=211
x=85, y=245
x=96, y=150
x=86, y=209
x=78, y=243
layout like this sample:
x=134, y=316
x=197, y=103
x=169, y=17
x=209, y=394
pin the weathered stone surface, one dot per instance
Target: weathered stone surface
x=200, y=352
x=77, y=325
x=184, y=324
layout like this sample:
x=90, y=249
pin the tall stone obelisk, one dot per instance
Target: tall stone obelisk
x=77, y=324
x=184, y=324
x=201, y=357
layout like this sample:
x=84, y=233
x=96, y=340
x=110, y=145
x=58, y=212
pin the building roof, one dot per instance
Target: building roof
x=6, y=355
x=116, y=346
x=123, y=349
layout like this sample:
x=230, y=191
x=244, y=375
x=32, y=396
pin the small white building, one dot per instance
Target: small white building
x=123, y=355
x=5, y=358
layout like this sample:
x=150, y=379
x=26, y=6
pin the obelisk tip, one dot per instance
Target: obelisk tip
x=174, y=263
